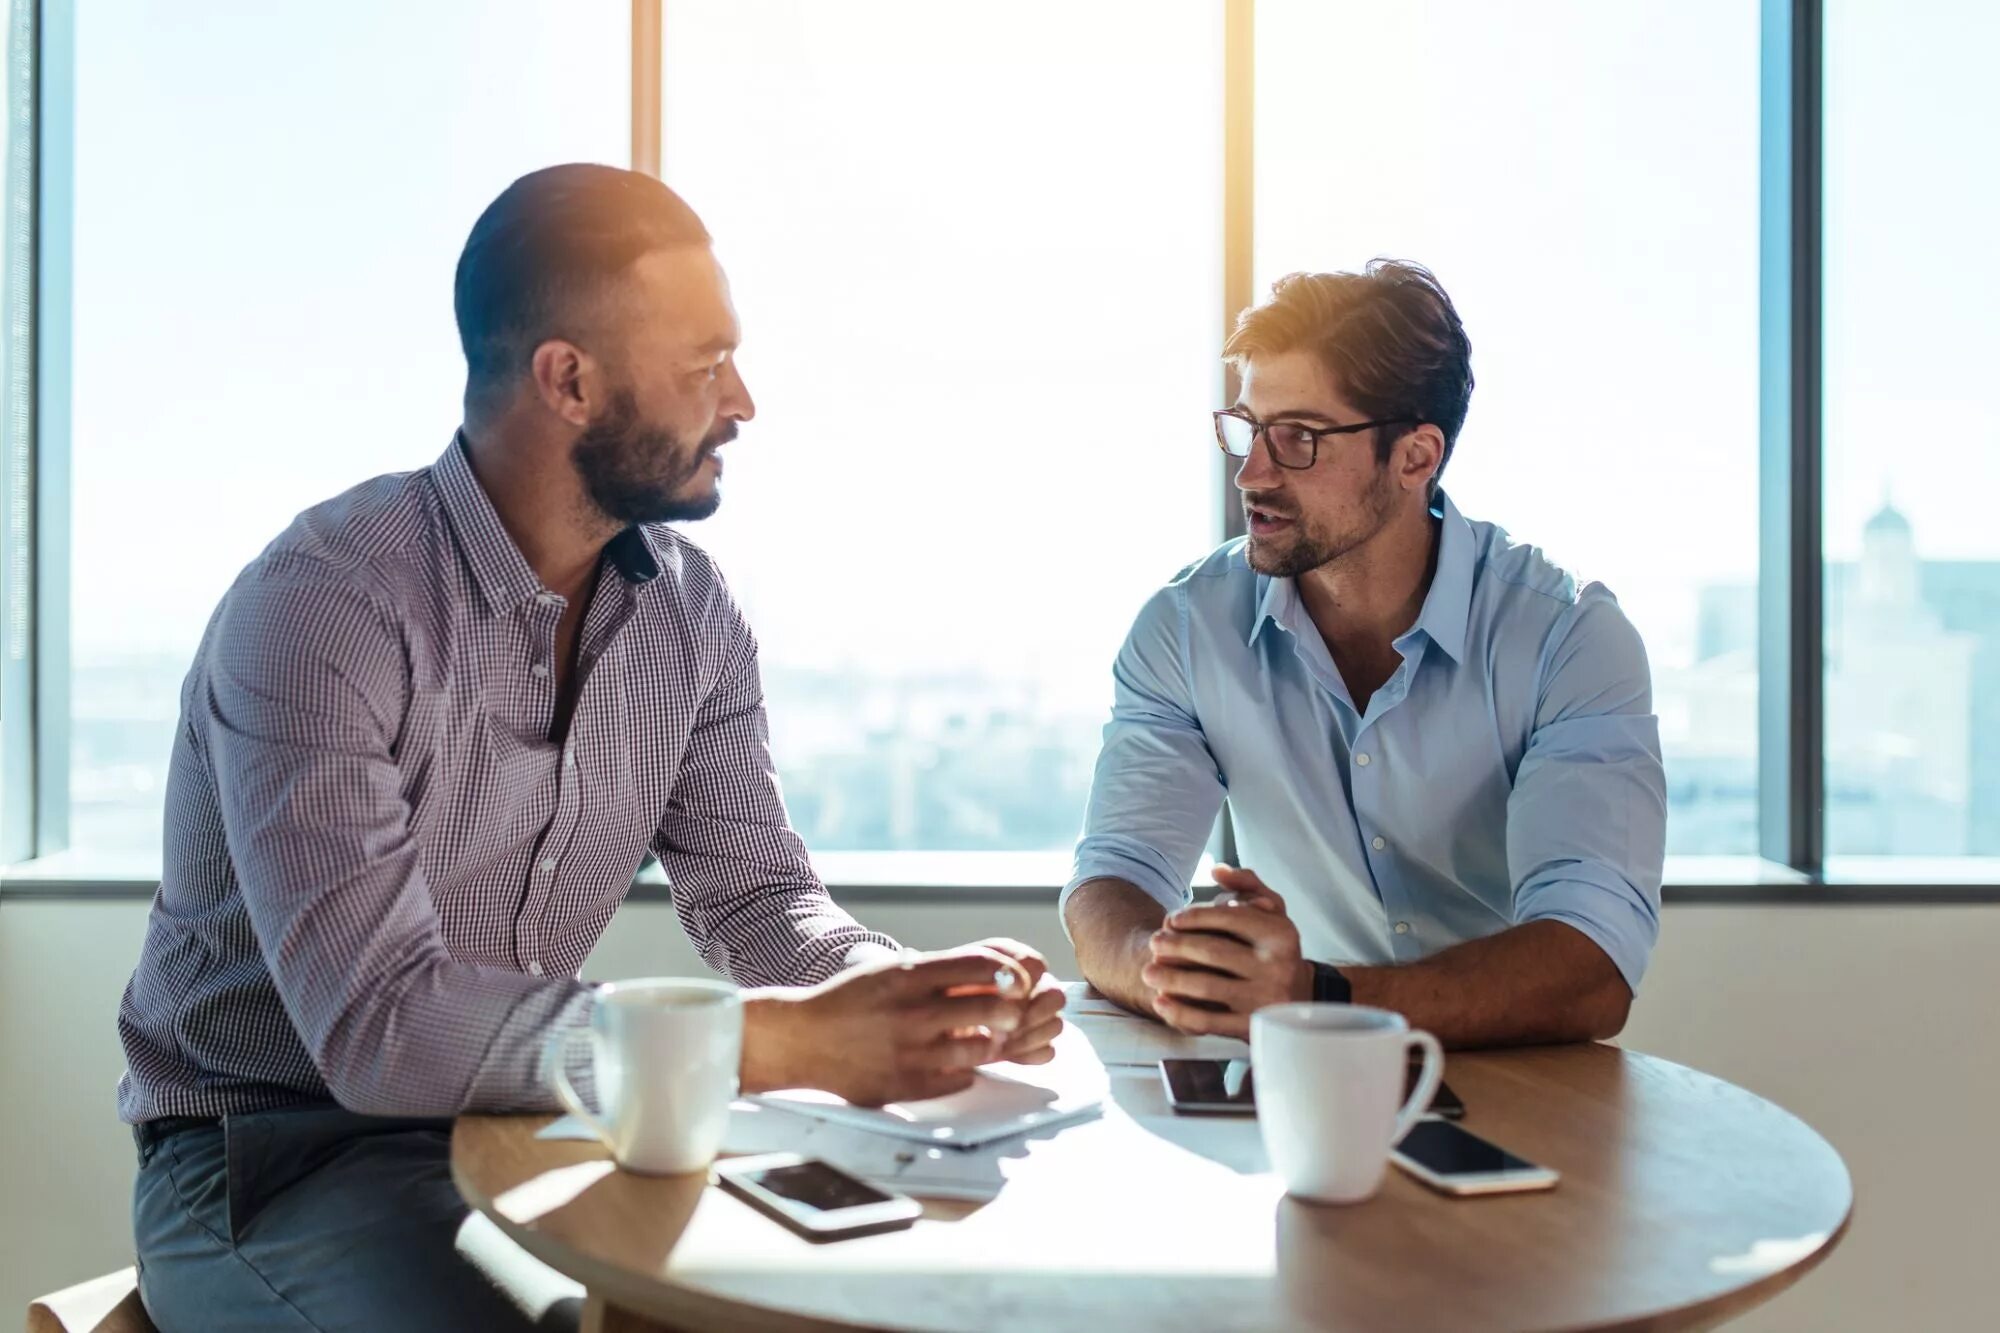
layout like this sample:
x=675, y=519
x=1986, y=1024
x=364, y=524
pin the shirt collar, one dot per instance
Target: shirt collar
x=1447, y=606
x=631, y=554
x=1275, y=600
x=504, y=577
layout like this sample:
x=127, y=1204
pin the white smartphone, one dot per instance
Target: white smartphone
x=814, y=1198
x=1455, y=1160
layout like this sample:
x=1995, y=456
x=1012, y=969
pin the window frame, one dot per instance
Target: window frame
x=35, y=857
x=1791, y=620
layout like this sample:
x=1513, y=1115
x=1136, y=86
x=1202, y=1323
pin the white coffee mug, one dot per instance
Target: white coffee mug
x=665, y=1052
x=1329, y=1085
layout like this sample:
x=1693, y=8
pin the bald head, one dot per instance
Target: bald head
x=549, y=258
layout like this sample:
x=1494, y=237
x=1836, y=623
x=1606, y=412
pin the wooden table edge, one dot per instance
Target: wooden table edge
x=657, y=1297
x=654, y=1296
x=1725, y=1306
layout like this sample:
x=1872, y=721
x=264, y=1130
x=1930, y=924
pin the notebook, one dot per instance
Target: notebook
x=926, y=1172
x=945, y=1148
x=1003, y=1101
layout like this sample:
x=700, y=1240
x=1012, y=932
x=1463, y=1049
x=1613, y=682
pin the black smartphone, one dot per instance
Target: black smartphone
x=1228, y=1087
x=1452, y=1159
x=1209, y=1087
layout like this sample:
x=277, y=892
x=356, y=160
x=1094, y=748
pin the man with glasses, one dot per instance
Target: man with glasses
x=1438, y=749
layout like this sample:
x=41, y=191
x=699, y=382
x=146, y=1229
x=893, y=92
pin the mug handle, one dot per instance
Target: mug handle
x=1427, y=1082
x=555, y=1058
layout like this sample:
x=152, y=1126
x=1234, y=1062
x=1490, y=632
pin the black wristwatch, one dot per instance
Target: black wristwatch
x=1329, y=986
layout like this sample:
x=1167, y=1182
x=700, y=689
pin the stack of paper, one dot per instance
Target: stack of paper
x=943, y=1148
x=914, y=1168
x=1003, y=1101
x=955, y=1147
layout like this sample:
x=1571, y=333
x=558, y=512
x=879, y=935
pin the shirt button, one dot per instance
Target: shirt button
x=1402, y=927
x=1379, y=844
x=1361, y=759
x=535, y=969
x=569, y=757
x=539, y=671
x=547, y=598
x=548, y=864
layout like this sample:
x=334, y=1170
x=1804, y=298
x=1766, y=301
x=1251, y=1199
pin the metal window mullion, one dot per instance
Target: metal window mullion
x=1239, y=208
x=17, y=514
x=1791, y=629
x=55, y=207
x=1239, y=239
x=647, y=56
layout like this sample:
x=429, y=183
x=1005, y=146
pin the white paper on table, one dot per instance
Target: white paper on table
x=1003, y=1101
x=897, y=1164
x=1035, y=1100
x=1121, y=1037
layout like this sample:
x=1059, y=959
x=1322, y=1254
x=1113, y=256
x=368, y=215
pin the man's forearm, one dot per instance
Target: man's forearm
x=1110, y=922
x=1539, y=982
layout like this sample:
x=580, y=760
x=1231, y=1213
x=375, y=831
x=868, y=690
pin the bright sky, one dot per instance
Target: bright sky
x=976, y=255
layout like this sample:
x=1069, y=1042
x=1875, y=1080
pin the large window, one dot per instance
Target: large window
x=270, y=200
x=1582, y=177
x=1912, y=449
x=976, y=253
x=1722, y=265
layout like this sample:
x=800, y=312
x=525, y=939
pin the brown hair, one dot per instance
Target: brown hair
x=1389, y=336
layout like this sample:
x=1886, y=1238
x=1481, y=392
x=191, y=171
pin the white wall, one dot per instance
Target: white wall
x=1875, y=1024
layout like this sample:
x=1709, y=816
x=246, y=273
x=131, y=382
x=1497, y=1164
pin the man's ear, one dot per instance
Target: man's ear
x=1419, y=454
x=563, y=373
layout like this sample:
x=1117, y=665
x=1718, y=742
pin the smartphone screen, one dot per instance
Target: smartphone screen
x=1450, y=1151
x=1226, y=1084
x=816, y=1185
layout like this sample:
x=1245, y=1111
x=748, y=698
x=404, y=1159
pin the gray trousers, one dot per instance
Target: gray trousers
x=319, y=1219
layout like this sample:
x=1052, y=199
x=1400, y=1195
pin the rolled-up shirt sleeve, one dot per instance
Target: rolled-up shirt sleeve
x=1586, y=822
x=308, y=688
x=742, y=884
x=1157, y=788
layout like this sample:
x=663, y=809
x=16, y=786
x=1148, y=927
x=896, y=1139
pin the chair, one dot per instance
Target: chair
x=108, y=1304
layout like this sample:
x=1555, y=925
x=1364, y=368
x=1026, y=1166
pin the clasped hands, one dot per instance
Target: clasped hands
x=1211, y=967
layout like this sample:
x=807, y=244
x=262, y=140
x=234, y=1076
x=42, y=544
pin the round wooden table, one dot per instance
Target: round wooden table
x=1684, y=1200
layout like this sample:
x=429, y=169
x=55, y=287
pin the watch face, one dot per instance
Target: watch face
x=1329, y=987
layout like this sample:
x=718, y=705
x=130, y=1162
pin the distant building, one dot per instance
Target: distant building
x=1898, y=706
x=1912, y=700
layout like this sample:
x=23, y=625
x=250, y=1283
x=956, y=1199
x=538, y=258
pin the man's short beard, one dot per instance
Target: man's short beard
x=634, y=472
x=1310, y=550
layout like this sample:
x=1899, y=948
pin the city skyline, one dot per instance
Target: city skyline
x=960, y=759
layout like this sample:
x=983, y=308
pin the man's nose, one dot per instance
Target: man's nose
x=1258, y=471
x=737, y=404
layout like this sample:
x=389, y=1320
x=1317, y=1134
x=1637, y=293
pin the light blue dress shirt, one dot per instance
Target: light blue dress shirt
x=1509, y=771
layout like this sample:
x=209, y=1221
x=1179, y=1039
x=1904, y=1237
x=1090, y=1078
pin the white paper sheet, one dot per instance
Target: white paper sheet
x=899, y=1146
x=1003, y=1101
x=1121, y=1037
x=913, y=1168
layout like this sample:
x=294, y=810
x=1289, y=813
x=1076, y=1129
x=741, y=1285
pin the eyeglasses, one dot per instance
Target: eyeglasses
x=1291, y=444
